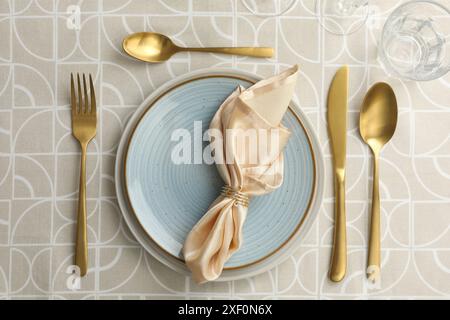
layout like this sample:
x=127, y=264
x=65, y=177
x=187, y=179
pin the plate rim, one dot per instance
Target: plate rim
x=146, y=113
x=230, y=273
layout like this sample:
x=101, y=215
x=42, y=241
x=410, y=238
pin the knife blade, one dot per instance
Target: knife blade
x=337, y=129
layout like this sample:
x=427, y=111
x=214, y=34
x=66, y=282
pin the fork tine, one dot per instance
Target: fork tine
x=93, y=103
x=80, y=97
x=73, y=99
x=86, y=102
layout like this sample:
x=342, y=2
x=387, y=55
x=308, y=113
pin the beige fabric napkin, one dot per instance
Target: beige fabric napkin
x=246, y=167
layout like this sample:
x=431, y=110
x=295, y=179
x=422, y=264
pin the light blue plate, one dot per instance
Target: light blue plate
x=168, y=199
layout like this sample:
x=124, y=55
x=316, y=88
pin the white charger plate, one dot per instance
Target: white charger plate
x=161, y=201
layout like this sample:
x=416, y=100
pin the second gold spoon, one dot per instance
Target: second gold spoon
x=378, y=121
x=156, y=47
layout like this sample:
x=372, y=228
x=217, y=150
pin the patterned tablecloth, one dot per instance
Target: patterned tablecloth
x=42, y=41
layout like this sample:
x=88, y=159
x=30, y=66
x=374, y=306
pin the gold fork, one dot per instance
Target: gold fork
x=84, y=126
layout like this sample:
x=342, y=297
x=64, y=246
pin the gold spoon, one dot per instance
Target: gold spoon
x=378, y=121
x=155, y=47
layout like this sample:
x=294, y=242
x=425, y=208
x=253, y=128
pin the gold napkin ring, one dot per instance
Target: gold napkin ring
x=240, y=198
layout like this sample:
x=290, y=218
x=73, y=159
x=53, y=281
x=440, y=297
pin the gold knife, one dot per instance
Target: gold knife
x=337, y=128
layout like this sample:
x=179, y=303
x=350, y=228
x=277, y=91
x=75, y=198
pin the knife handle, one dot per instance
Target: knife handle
x=339, y=255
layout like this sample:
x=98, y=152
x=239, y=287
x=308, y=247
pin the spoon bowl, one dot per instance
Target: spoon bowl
x=156, y=47
x=378, y=118
x=378, y=121
x=149, y=46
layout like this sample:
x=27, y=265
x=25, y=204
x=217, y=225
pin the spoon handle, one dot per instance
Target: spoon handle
x=259, y=52
x=374, y=267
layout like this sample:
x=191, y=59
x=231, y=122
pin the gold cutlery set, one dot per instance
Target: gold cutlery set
x=378, y=120
x=377, y=125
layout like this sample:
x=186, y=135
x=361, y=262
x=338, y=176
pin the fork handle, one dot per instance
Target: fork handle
x=81, y=255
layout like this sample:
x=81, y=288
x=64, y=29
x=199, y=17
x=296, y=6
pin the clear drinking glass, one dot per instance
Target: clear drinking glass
x=342, y=17
x=415, y=42
x=268, y=8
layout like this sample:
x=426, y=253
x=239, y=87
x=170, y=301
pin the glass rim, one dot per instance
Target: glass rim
x=353, y=28
x=385, y=61
x=432, y=2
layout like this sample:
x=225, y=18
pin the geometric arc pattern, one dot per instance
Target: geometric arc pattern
x=43, y=41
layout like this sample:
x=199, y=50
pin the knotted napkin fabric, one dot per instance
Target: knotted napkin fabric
x=245, y=167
